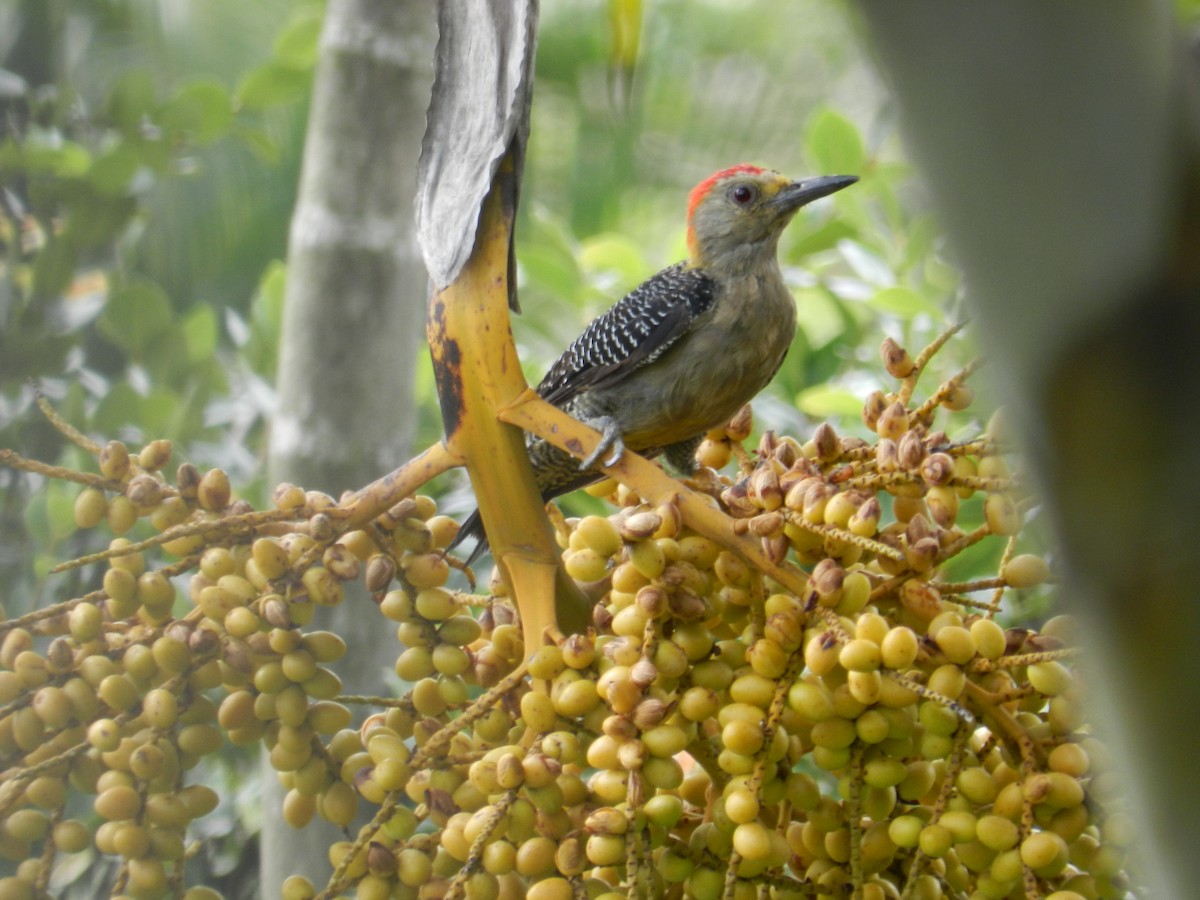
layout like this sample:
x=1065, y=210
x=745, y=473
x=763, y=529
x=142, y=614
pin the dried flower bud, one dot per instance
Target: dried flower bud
x=320, y=528
x=873, y=408
x=570, y=859
x=381, y=861
x=510, y=773
x=1001, y=514
x=60, y=656
x=114, y=461
x=827, y=577
x=776, y=548
x=287, y=496
x=826, y=443
x=619, y=727
x=785, y=630
x=763, y=490
x=639, y=525
x=649, y=713
x=651, y=600
x=187, y=481
x=144, y=491
x=318, y=500
x=672, y=519
x=794, y=499
x=540, y=770
x=936, y=441
x=921, y=599
x=767, y=444
x=910, y=450
x=893, y=421
x=606, y=820
x=942, y=502
x=887, y=455
x=922, y=555
x=338, y=559
x=276, y=612
x=203, y=641
x=767, y=524
x=602, y=619
x=381, y=569
x=865, y=520
x=918, y=528
x=632, y=755
x=643, y=673
x=737, y=501
x=815, y=501
x=787, y=452
x=740, y=425
x=896, y=359
x=686, y=606
x=155, y=455
x=213, y=492
x=937, y=469
x=237, y=655
x=959, y=398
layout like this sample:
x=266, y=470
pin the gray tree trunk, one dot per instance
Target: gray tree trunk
x=1059, y=141
x=354, y=318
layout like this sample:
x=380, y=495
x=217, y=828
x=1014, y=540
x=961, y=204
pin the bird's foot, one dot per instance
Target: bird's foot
x=610, y=440
x=706, y=481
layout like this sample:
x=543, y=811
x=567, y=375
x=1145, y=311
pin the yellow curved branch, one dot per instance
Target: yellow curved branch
x=531, y=412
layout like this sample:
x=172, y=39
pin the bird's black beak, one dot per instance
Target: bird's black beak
x=798, y=193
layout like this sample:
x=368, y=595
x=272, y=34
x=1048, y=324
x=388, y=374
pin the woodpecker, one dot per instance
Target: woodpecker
x=684, y=351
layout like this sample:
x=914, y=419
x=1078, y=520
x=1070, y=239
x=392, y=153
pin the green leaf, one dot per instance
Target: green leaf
x=271, y=85
x=119, y=406
x=112, y=172
x=549, y=270
x=65, y=160
x=200, y=109
x=819, y=315
x=200, y=333
x=824, y=237
x=902, y=302
x=296, y=45
x=159, y=412
x=823, y=401
x=54, y=268
x=165, y=357
x=36, y=519
x=610, y=252
x=266, y=317
x=834, y=144
x=60, y=509
x=98, y=219
x=132, y=98
x=261, y=144
x=547, y=258
x=919, y=237
x=135, y=315
x=941, y=277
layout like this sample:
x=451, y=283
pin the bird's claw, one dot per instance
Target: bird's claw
x=610, y=439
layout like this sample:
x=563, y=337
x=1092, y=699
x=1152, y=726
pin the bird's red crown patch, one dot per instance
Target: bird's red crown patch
x=706, y=185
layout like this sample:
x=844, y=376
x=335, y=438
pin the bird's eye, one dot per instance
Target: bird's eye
x=742, y=194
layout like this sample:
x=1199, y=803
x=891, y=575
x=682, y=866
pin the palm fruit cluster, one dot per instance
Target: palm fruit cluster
x=878, y=734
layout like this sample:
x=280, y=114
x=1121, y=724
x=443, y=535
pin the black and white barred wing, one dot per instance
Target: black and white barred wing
x=633, y=333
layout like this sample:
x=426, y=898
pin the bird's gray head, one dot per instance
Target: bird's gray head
x=735, y=216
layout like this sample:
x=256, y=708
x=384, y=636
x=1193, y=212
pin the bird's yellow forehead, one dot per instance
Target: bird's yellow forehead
x=771, y=183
